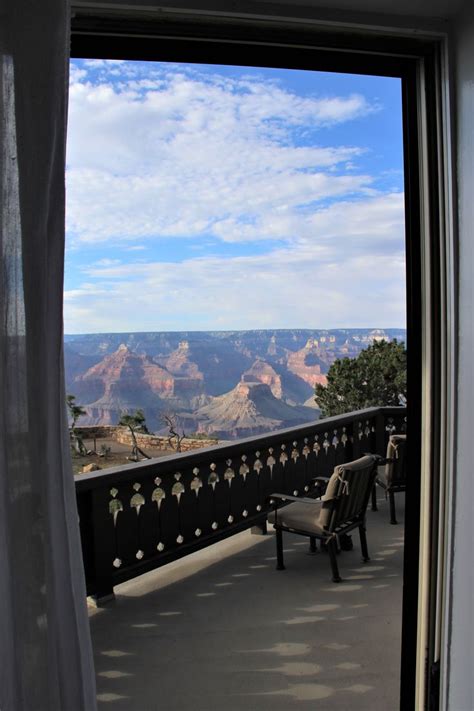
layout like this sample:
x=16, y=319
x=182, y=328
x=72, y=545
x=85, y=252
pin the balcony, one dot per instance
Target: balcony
x=218, y=627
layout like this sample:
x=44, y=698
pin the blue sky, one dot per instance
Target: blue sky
x=206, y=197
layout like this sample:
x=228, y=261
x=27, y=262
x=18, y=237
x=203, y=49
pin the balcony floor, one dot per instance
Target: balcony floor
x=222, y=630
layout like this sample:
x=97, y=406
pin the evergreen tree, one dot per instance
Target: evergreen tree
x=377, y=377
x=135, y=423
x=76, y=411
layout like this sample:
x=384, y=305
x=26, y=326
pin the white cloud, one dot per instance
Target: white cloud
x=316, y=283
x=290, y=290
x=106, y=262
x=181, y=154
x=186, y=155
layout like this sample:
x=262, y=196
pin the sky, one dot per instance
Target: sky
x=205, y=197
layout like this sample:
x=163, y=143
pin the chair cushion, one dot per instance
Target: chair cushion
x=336, y=486
x=392, y=453
x=303, y=517
x=316, y=518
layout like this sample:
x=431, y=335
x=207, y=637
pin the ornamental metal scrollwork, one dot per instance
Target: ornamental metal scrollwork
x=344, y=437
x=196, y=482
x=326, y=443
x=196, y=485
x=137, y=500
x=316, y=445
x=257, y=465
x=294, y=452
x=158, y=495
x=213, y=477
x=178, y=490
x=115, y=505
x=229, y=473
x=244, y=469
x=306, y=450
x=271, y=461
x=212, y=480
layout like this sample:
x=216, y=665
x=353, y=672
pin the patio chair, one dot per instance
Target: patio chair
x=341, y=509
x=392, y=476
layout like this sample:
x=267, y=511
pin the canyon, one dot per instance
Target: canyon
x=227, y=384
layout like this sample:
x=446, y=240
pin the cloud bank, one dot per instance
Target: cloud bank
x=160, y=152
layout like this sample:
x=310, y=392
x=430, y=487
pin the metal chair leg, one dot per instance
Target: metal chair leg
x=393, y=518
x=279, y=543
x=363, y=544
x=374, y=498
x=332, y=550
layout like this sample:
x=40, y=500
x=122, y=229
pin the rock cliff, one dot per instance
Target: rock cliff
x=249, y=409
x=307, y=363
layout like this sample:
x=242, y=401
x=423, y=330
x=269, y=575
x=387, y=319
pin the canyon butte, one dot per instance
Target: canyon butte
x=228, y=384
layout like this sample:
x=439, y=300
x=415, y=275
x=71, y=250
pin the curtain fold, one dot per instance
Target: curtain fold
x=45, y=650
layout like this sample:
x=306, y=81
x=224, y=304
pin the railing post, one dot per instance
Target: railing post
x=260, y=528
x=380, y=439
x=103, y=543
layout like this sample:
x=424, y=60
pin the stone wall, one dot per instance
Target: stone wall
x=151, y=441
x=99, y=431
x=123, y=436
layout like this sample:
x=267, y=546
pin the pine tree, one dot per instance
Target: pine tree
x=377, y=377
x=135, y=423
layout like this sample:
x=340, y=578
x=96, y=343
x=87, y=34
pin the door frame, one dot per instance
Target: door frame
x=421, y=63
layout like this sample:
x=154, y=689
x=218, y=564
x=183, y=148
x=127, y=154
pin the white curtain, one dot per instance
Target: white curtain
x=45, y=651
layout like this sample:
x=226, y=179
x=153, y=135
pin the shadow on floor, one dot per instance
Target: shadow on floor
x=240, y=636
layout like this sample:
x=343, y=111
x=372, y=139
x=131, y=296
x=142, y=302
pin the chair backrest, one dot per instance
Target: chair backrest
x=395, y=470
x=348, y=492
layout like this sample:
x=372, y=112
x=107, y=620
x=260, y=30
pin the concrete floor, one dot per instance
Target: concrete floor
x=222, y=630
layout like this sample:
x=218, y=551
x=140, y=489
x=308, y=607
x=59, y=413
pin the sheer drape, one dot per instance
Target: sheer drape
x=45, y=652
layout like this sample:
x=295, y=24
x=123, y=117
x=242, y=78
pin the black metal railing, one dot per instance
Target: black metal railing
x=138, y=517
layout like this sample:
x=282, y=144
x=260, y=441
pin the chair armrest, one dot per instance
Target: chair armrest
x=320, y=484
x=274, y=498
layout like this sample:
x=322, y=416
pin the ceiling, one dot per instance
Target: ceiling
x=430, y=10
x=416, y=8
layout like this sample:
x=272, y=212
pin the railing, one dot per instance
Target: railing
x=138, y=517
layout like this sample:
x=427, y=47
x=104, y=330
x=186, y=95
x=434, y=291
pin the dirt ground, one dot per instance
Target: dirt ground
x=118, y=454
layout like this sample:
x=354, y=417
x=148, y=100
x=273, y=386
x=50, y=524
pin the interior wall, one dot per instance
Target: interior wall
x=420, y=18
x=460, y=682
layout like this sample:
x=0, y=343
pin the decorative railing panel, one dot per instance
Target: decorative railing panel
x=141, y=516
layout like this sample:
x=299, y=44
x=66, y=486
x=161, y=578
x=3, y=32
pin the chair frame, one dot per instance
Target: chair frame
x=331, y=535
x=391, y=490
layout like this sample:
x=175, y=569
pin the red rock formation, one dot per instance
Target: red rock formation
x=262, y=372
x=249, y=409
x=126, y=381
x=306, y=363
x=179, y=363
x=130, y=370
